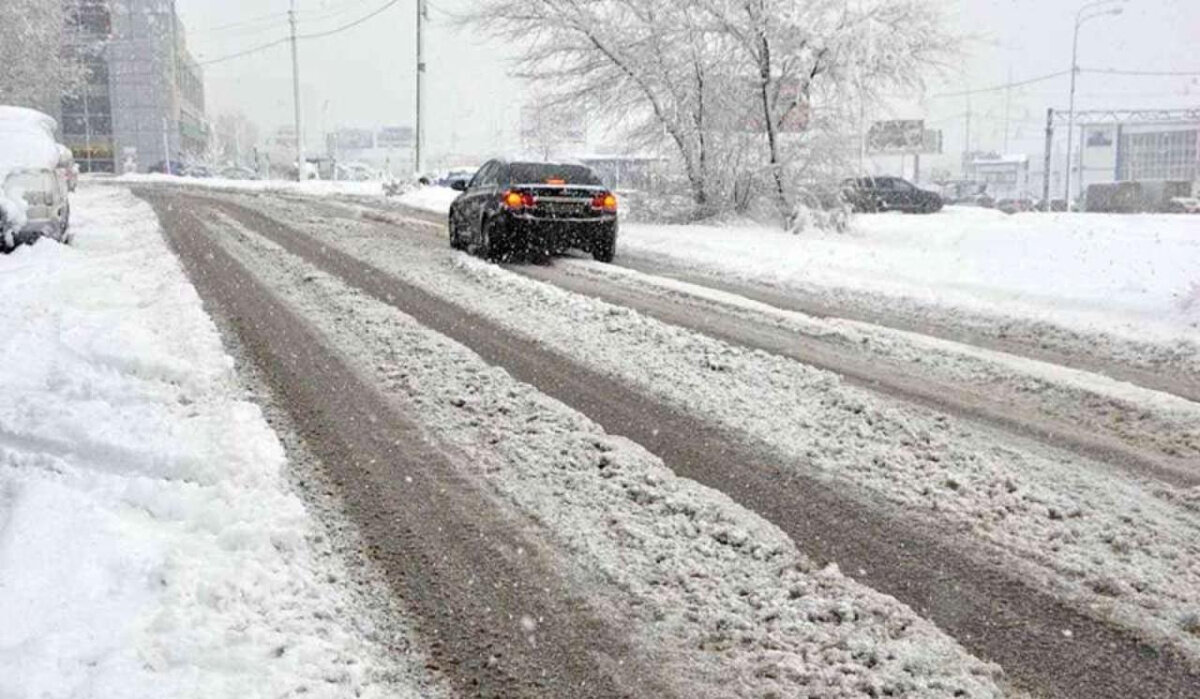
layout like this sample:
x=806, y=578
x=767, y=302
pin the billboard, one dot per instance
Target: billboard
x=900, y=136
x=394, y=137
x=353, y=139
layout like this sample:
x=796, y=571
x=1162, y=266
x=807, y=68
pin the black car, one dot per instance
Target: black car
x=533, y=209
x=873, y=194
x=160, y=167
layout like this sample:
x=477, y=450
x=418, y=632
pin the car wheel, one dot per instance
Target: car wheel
x=489, y=248
x=456, y=241
x=605, y=249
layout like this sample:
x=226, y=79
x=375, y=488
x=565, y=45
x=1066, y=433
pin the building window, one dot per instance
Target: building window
x=90, y=17
x=1167, y=155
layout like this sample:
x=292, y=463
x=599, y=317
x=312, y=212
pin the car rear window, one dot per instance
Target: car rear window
x=543, y=173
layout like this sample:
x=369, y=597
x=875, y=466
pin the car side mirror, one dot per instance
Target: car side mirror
x=459, y=185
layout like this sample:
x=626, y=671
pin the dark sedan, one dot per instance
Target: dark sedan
x=874, y=194
x=534, y=210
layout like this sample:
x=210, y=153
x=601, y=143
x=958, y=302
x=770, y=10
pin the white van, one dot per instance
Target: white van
x=33, y=179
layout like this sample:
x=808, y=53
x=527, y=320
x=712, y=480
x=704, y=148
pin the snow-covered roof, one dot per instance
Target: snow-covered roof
x=27, y=140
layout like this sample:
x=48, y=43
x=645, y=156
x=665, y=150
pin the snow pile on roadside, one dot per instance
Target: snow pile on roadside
x=1132, y=276
x=723, y=596
x=148, y=544
x=436, y=200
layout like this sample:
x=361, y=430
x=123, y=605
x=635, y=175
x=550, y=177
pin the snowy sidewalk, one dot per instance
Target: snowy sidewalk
x=1136, y=277
x=149, y=544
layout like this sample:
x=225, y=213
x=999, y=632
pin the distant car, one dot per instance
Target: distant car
x=197, y=171
x=48, y=210
x=1183, y=205
x=176, y=168
x=875, y=194
x=1016, y=206
x=534, y=209
x=237, y=172
x=448, y=179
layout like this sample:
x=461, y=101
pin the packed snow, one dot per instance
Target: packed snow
x=723, y=597
x=149, y=543
x=1140, y=416
x=1135, y=276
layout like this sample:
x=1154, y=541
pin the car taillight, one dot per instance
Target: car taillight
x=516, y=201
x=605, y=202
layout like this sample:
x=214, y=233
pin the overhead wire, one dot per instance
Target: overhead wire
x=302, y=37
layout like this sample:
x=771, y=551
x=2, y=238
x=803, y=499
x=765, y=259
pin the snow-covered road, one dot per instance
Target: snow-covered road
x=1058, y=523
x=571, y=475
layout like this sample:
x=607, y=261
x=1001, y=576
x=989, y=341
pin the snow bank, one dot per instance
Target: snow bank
x=1134, y=276
x=430, y=198
x=149, y=546
x=435, y=200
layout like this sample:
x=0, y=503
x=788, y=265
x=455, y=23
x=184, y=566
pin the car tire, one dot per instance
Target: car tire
x=489, y=248
x=456, y=241
x=604, y=249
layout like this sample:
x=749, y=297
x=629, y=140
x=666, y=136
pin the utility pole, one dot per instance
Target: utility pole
x=1007, y=107
x=1080, y=19
x=296, y=95
x=420, y=135
x=1048, y=157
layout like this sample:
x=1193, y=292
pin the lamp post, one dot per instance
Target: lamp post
x=1081, y=18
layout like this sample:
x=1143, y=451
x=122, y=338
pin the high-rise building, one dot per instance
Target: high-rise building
x=143, y=102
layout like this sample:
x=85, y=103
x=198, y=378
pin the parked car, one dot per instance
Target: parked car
x=48, y=210
x=34, y=189
x=534, y=209
x=176, y=168
x=197, y=171
x=237, y=172
x=1183, y=205
x=1016, y=206
x=456, y=175
x=874, y=194
x=68, y=168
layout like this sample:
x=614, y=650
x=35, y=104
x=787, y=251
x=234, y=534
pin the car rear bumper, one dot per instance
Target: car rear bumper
x=559, y=233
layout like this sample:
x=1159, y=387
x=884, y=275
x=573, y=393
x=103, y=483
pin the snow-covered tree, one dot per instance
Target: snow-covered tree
x=35, y=71
x=755, y=96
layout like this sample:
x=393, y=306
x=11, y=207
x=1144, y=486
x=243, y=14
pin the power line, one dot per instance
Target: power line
x=351, y=25
x=314, y=35
x=999, y=88
x=1164, y=73
x=247, y=52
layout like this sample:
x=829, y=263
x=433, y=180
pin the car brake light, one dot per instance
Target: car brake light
x=556, y=181
x=605, y=202
x=516, y=201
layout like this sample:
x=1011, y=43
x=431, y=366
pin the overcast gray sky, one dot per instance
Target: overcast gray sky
x=365, y=76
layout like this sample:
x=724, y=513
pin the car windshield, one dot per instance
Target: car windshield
x=549, y=173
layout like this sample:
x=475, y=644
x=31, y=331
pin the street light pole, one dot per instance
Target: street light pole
x=296, y=95
x=1081, y=18
x=420, y=135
